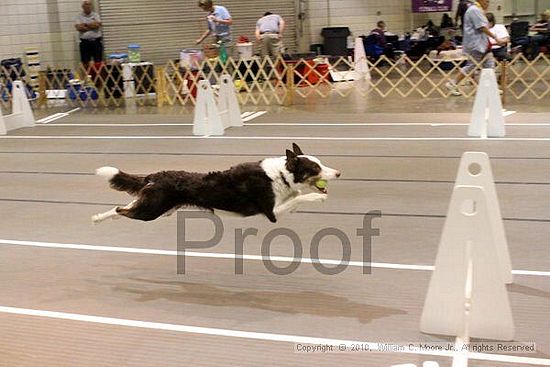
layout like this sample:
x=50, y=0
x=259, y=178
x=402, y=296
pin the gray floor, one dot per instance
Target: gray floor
x=48, y=194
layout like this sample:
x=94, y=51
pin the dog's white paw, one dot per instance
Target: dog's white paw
x=315, y=197
x=96, y=218
x=322, y=198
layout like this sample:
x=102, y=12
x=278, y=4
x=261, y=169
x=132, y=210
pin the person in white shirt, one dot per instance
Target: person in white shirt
x=88, y=24
x=500, y=52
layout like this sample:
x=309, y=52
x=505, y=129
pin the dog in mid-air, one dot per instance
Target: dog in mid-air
x=271, y=187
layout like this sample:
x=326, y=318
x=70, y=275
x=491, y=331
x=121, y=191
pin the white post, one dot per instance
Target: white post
x=487, y=118
x=228, y=105
x=21, y=104
x=207, y=119
x=21, y=115
x=475, y=170
x=361, y=66
x=3, y=130
x=490, y=315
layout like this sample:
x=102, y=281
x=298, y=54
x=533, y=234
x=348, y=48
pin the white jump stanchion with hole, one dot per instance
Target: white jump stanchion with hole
x=462, y=340
x=213, y=118
x=487, y=118
x=360, y=58
x=483, y=177
x=207, y=120
x=468, y=237
x=21, y=115
x=228, y=105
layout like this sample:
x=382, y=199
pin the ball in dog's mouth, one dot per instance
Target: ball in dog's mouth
x=321, y=185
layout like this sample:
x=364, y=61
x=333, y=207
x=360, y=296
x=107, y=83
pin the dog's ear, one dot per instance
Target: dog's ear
x=291, y=159
x=297, y=149
x=290, y=155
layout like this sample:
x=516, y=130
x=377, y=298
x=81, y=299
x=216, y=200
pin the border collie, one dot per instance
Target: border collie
x=270, y=187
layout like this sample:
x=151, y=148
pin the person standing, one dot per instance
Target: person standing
x=219, y=24
x=269, y=32
x=88, y=25
x=463, y=5
x=475, y=43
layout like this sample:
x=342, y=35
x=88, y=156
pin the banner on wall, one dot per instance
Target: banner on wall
x=428, y=6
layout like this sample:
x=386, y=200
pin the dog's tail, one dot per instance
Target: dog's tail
x=122, y=181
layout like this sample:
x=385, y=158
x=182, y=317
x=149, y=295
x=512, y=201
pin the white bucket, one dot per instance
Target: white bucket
x=191, y=58
x=245, y=50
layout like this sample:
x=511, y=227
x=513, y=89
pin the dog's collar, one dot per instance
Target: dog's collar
x=284, y=180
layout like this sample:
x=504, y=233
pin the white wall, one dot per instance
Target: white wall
x=46, y=25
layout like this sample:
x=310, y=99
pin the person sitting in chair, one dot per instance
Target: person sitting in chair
x=542, y=38
x=380, y=32
x=500, y=52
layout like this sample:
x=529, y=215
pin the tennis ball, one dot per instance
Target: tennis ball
x=239, y=84
x=321, y=184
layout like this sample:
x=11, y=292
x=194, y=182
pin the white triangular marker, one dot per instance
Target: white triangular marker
x=3, y=130
x=475, y=170
x=360, y=57
x=228, y=105
x=206, y=120
x=487, y=118
x=490, y=315
x=21, y=115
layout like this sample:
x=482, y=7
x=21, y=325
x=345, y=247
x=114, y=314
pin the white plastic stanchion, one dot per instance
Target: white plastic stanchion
x=361, y=66
x=487, y=118
x=213, y=118
x=462, y=340
x=21, y=115
x=228, y=105
x=475, y=170
x=3, y=129
x=468, y=224
x=207, y=119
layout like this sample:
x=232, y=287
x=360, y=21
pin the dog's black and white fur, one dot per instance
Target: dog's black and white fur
x=271, y=187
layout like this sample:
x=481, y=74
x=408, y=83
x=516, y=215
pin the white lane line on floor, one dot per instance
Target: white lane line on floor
x=51, y=118
x=266, y=124
x=216, y=255
x=373, y=346
x=254, y=115
x=48, y=117
x=388, y=124
x=117, y=125
x=285, y=138
x=73, y=110
x=56, y=116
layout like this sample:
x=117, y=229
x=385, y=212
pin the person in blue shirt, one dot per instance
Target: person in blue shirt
x=475, y=43
x=219, y=25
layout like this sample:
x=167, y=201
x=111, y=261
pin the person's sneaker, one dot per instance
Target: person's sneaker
x=451, y=86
